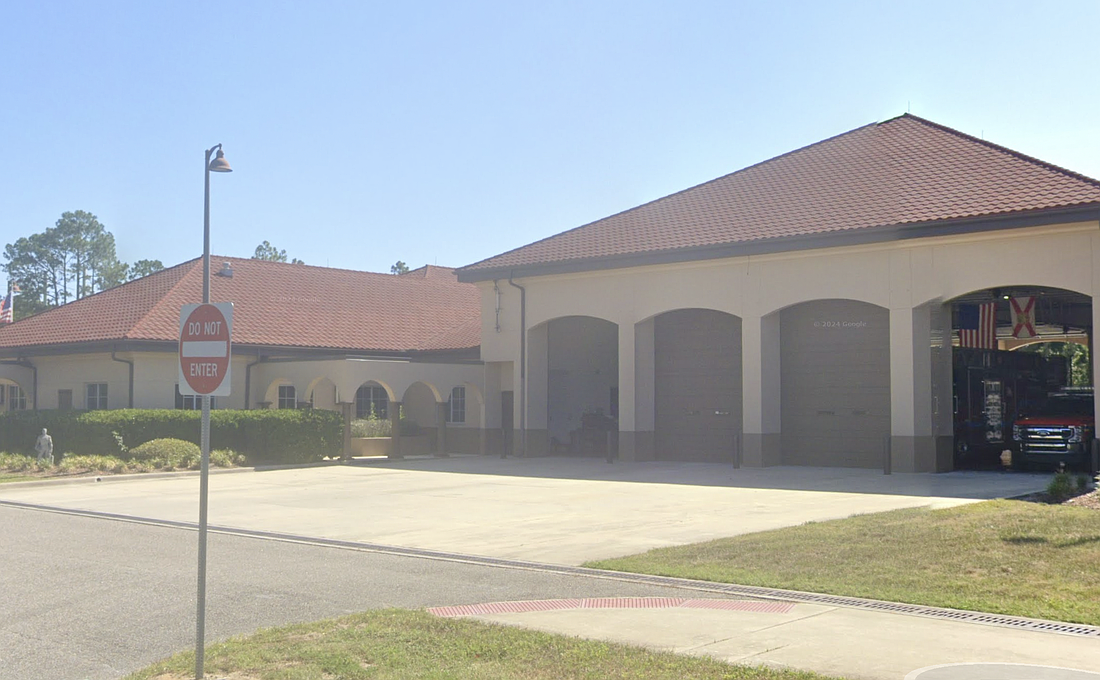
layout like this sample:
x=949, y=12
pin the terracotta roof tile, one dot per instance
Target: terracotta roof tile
x=275, y=304
x=906, y=170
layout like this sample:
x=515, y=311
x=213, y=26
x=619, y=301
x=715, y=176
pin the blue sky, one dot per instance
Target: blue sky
x=362, y=133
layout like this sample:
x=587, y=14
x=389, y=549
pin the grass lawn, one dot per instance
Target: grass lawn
x=397, y=643
x=1010, y=557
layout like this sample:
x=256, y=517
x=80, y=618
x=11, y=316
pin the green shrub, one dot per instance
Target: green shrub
x=273, y=436
x=79, y=464
x=167, y=453
x=370, y=427
x=224, y=458
x=16, y=462
x=1061, y=486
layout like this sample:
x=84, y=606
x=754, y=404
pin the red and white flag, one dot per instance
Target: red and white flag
x=1023, y=317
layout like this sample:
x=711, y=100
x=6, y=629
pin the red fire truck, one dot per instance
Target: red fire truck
x=1059, y=430
x=992, y=389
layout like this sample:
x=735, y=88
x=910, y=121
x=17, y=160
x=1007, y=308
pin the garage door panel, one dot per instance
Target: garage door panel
x=697, y=374
x=835, y=383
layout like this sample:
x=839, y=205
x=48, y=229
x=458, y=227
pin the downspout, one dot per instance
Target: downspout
x=522, y=362
x=128, y=362
x=248, y=382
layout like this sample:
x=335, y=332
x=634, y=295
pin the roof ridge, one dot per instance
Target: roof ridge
x=302, y=264
x=997, y=147
x=674, y=194
x=160, y=300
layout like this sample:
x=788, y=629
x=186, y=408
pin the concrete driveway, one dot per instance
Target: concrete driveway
x=551, y=510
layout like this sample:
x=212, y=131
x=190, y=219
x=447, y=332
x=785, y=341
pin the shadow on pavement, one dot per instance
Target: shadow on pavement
x=959, y=484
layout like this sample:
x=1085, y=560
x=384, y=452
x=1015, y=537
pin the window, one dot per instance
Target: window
x=456, y=405
x=17, y=398
x=190, y=402
x=97, y=396
x=286, y=397
x=371, y=399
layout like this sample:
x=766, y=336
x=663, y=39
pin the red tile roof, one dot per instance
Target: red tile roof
x=275, y=304
x=906, y=170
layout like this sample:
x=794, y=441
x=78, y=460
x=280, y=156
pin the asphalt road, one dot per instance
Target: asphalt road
x=85, y=598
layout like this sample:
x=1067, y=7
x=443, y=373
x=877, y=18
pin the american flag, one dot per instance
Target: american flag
x=7, y=315
x=978, y=325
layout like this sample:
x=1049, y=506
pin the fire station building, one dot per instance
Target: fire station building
x=808, y=310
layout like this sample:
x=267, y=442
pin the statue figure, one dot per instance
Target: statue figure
x=44, y=446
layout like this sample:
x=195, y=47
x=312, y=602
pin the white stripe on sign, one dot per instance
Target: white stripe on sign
x=205, y=348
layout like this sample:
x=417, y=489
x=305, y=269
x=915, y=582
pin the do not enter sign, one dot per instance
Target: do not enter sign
x=205, y=333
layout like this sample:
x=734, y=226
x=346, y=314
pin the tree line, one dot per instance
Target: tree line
x=70, y=260
x=76, y=258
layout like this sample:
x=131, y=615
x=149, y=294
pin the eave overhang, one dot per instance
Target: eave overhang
x=835, y=239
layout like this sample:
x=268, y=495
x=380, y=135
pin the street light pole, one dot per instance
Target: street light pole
x=219, y=164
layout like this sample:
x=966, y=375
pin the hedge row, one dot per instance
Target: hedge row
x=264, y=436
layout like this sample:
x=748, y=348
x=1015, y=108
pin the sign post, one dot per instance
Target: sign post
x=206, y=333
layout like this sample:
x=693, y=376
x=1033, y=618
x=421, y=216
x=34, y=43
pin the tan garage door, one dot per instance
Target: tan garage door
x=835, y=367
x=697, y=388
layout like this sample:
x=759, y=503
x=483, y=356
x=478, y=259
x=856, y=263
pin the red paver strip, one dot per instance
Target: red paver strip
x=766, y=607
x=631, y=602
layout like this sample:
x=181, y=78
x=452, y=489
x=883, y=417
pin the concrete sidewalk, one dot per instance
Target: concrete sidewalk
x=837, y=641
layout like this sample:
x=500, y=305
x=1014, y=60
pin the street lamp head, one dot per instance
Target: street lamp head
x=219, y=164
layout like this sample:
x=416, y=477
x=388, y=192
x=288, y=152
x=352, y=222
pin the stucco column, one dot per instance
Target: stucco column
x=490, y=413
x=1095, y=365
x=1092, y=345
x=761, y=443
x=395, y=429
x=912, y=447
x=644, y=441
x=538, y=373
x=624, y=443
x=346, y=408
x=943, y=388
x=441, y=428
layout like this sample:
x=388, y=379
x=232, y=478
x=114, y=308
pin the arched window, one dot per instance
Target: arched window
x=287, y=398
x=371, y=399
x=456, y=405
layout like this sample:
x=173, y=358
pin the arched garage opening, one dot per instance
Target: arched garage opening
x=582, y=384
x=835, y=383
x=1019, y=355
x=697, y=385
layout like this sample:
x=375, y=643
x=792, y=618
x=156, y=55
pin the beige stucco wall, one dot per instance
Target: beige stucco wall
x=912, y=279
x=156, y=374
x=74, y=373
x=396, y=377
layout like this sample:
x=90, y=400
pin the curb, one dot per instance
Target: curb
x=135, y=476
